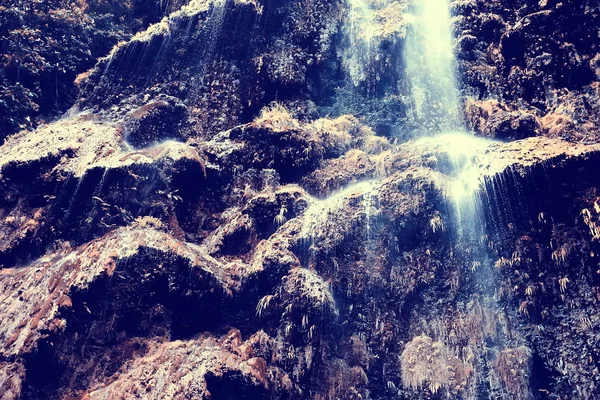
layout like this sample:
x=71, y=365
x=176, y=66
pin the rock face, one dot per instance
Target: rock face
x=178, y=234
x=536, y=59
x=45, y=45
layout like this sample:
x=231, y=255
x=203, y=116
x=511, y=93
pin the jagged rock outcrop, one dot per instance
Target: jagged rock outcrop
x=181, y=234
x=237, y=58
x=333, y=287
x=205, y=368
x=535, y=57
x=45, y=45
x=74, y=180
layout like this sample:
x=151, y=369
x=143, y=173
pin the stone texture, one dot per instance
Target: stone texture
x=180, y=234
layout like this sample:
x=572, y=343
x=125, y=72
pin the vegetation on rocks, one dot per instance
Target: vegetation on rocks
x=236, y=207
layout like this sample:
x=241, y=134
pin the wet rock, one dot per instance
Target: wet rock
x=223, y=74
x=309, y=292
x=272, y=259
x=239, y=232
x=157, y=261
x=513, y=370
x=67, y=274
x=82, y=168
x=11, y=376
x=45, y=46
x=161, y=119
x=271, y=210
x=429, y=364
x=466, y=45
x=334, y=174
x=557, y=125
x=522, y=57
x=278, y=141
x=135, y=300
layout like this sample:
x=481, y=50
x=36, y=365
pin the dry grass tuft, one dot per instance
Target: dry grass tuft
x=426, y=364
x=277, y=117
x=556, y=125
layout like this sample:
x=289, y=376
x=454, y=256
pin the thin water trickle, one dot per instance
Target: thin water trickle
x=321, y=211
x=360, y=33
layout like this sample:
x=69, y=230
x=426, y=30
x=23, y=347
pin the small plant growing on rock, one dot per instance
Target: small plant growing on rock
x=529, y=290
x=276, y=117
x=173, y=196
x=263, y=304
x=560, y=255
x=562, y=283
x=437, y=224
x=311, y=332
x=523, y=308
x=288, y=329
x=503, y=262
x=591, y=224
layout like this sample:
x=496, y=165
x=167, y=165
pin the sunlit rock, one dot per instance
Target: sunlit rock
x=204, y=368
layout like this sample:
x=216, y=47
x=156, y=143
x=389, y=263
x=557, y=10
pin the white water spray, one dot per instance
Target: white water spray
x=465, y=154
x=431, y=71
x=431, y=67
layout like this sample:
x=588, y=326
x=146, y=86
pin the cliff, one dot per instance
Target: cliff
x=229, y=199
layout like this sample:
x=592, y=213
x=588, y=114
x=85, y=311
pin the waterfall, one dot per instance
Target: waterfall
x=431, y=76
x=431, y=73
x=464, y=154
x=436, y=111
x=431, y=69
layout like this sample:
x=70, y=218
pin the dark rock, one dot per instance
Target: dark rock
x=159, y=120
x=196, y=228
x=526, y=51
x=44, y=46
x=276, y=140
x=493, y=119
x=243, y=56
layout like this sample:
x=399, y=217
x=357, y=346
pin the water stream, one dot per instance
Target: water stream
x=435, y=109
x=435, y=103
x=431, y=72
x=360, y=34
x=431, y=68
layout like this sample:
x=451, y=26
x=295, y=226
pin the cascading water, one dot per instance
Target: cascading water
x=430, y=68
x=320, y=212
x=431, y=72
x=463, y=153
x=435, y=107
